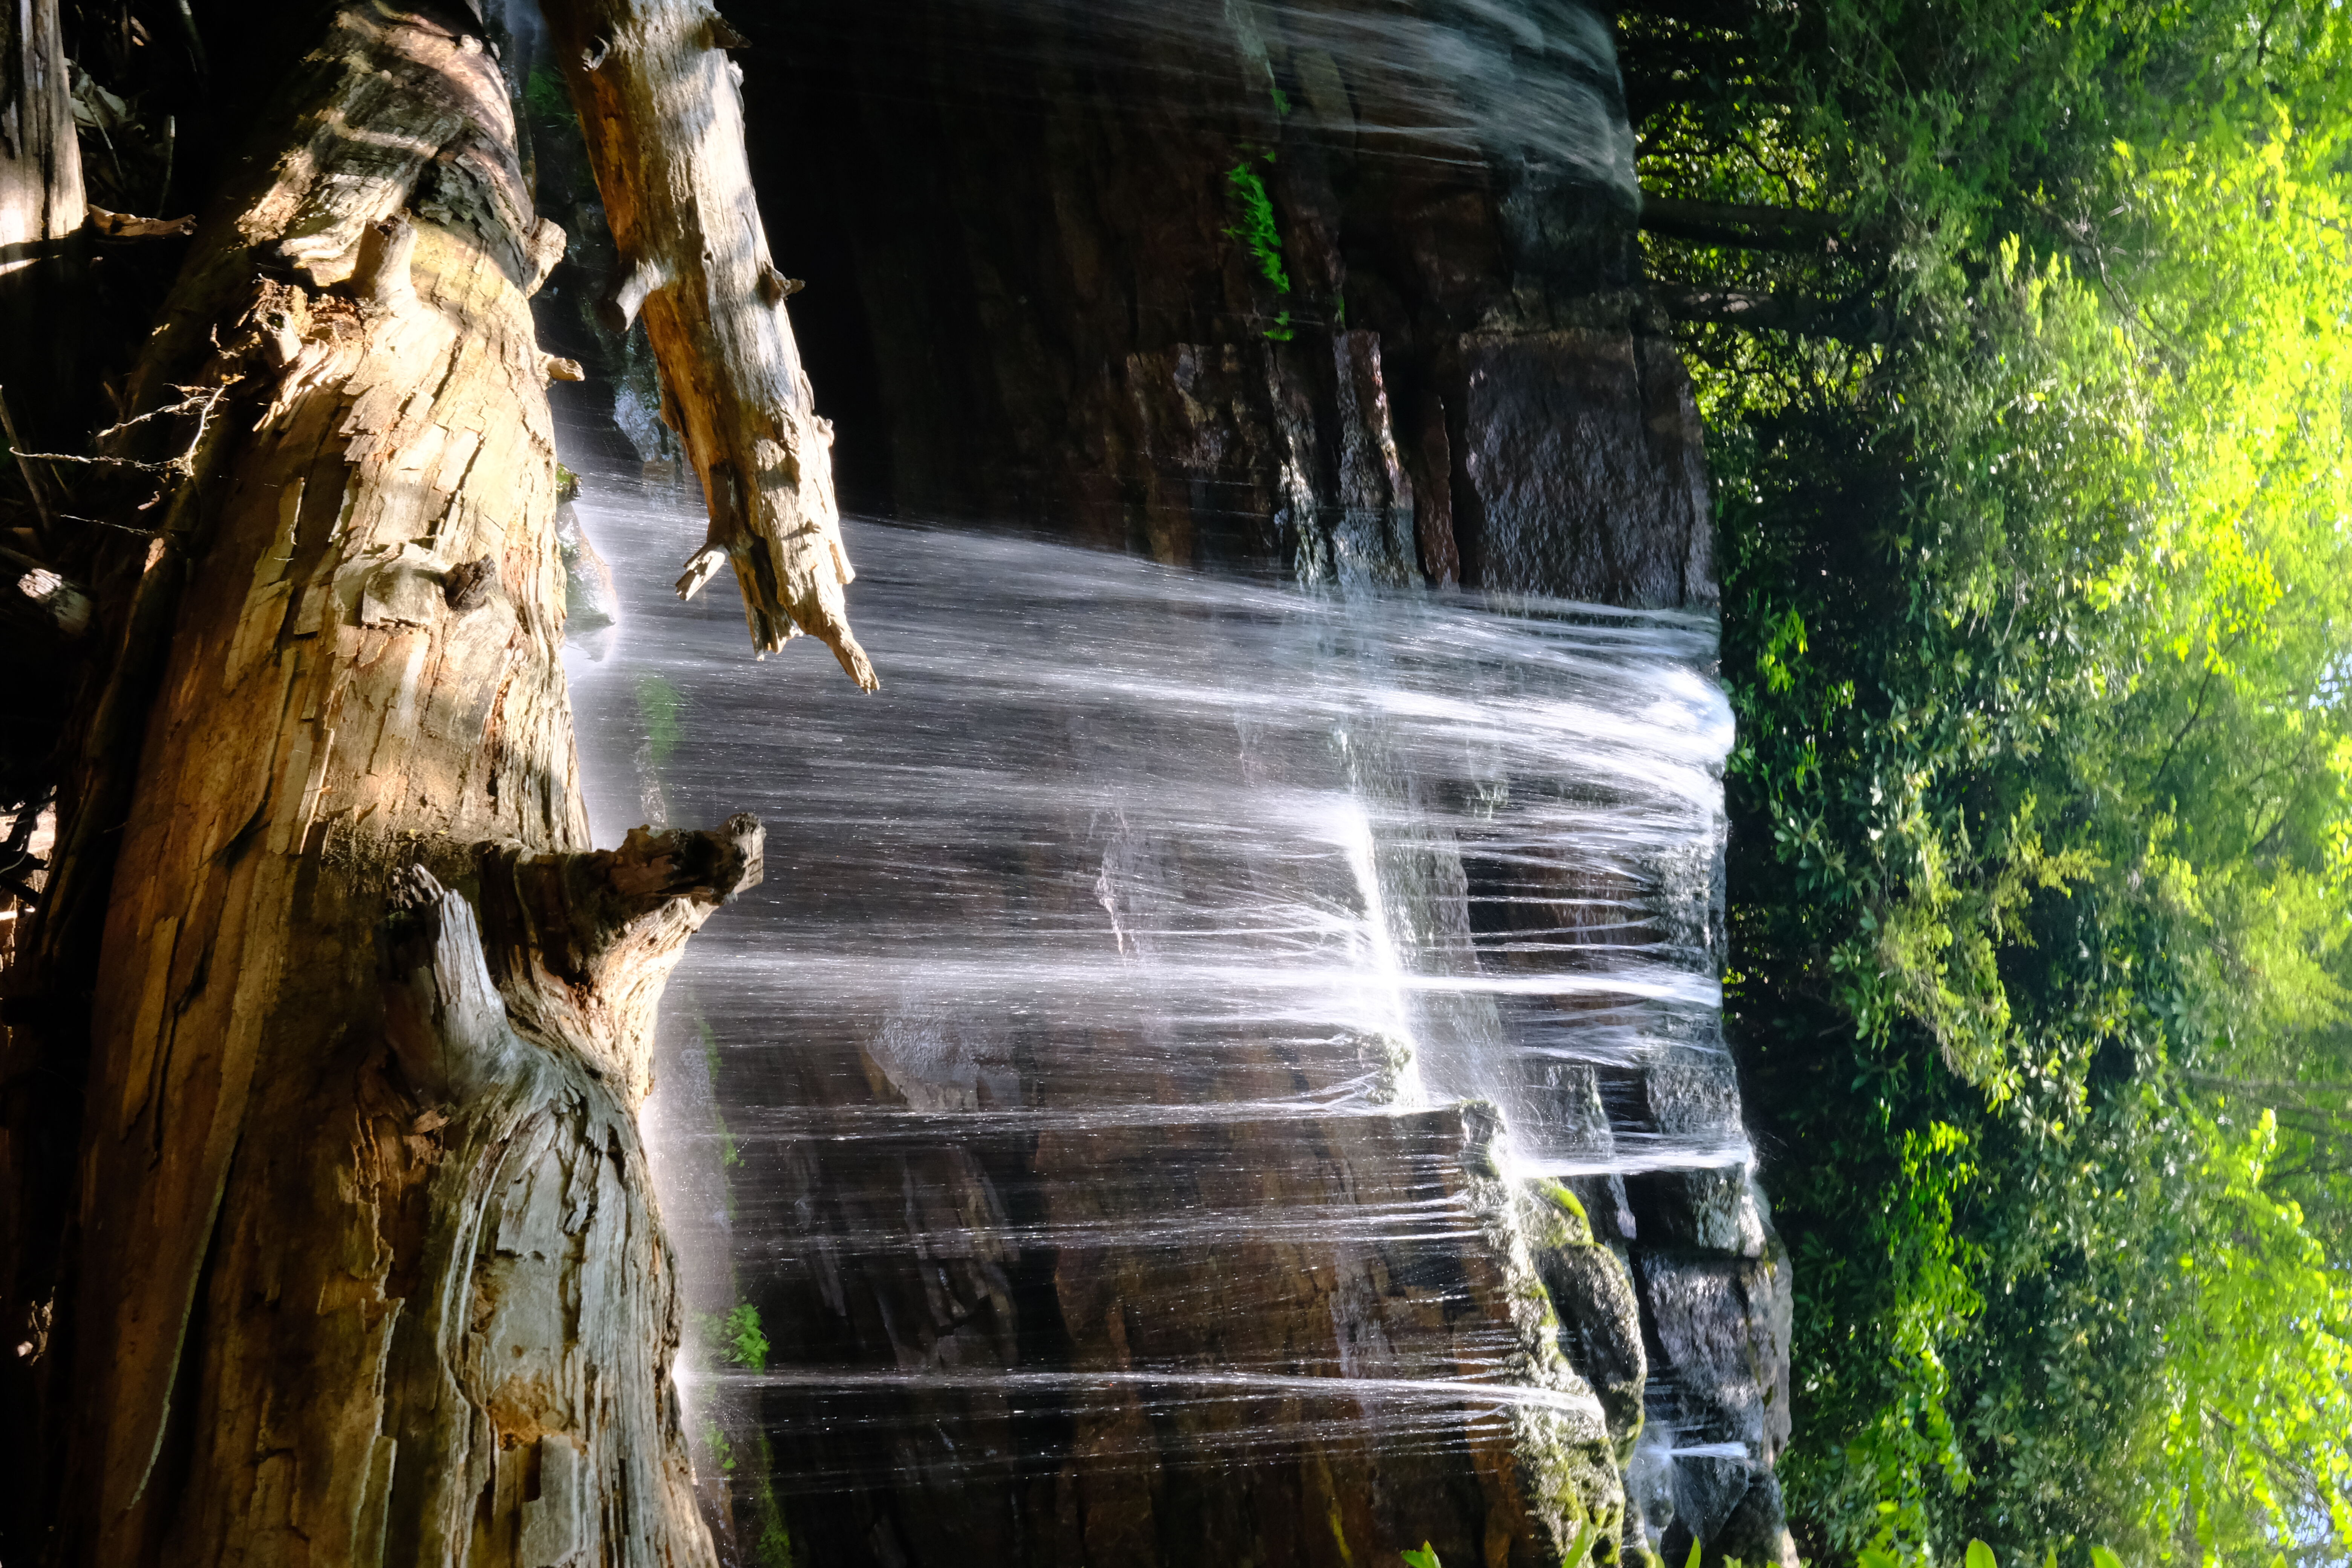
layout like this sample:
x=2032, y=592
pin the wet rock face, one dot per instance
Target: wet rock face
x=1679, y=1302
x=1599, y=1314
x=1582, y=470
x=1065, y=1103
x=1128, y=1449
x=1350, y=292
x=1039, y=296
x=1721, y=1330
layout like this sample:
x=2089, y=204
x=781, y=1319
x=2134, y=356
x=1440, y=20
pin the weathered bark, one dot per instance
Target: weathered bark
x=362, y=1263
x=40, y=163
x=662, y=110
x=544, y=1305
x=40, y=203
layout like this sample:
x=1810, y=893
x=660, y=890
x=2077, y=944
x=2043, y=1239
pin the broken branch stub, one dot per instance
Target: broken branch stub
x=663, y=116
x=582, y=943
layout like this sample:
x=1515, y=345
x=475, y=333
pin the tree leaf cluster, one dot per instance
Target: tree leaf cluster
x=2033, y=503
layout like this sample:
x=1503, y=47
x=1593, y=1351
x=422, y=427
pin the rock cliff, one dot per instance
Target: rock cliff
x=1351, y=287
x=1348, y=292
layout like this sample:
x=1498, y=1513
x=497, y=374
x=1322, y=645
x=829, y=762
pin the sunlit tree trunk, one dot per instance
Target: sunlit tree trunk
x=358, y=1261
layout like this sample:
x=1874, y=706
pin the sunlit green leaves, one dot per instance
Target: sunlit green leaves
x=2037, y=620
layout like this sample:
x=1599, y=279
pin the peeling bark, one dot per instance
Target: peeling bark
x=362, y=1263
x=662, y=112
x=582, y=943
x=40, y=204
x=521, y=1371
x=40, y=163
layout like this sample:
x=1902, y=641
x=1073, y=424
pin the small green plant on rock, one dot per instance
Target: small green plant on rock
x=736, y=1339
x=714, y=1440
x=1257, y=230
x=544, y=96
x=746, y=1345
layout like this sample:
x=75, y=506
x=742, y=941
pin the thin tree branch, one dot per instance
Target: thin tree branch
x=1855, y=320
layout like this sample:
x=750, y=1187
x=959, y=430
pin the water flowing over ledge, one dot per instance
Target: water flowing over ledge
x=1189, y=1026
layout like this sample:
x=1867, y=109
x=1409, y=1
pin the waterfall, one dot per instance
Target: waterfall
x=1089, y=1087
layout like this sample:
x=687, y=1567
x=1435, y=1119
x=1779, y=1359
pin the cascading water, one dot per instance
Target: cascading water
x=1218, y=1071
x=1160, y=1001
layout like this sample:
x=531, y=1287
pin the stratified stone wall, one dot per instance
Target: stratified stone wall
x=1034, y=297
x=1034, y=301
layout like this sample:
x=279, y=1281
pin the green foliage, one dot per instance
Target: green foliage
x=1885, y=1551
x=776, y=1545
x=1257, y=231
x=746, y=1345
x=773, y=1546
x=1425, y=1558
x=722, y=1451
x=546, y=99
x=736, y=1339
x=658, y=703
x=2037, y=617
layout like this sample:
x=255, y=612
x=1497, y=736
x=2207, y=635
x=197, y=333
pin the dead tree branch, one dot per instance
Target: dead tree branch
x=660, y=105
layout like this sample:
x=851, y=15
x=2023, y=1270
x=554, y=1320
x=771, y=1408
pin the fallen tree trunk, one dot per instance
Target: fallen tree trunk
x=358, y=1259
x=662, y=112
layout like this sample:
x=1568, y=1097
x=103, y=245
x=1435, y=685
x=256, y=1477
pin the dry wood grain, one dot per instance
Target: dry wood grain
x=40, y=209
x=662, y=109
x=369, y=1266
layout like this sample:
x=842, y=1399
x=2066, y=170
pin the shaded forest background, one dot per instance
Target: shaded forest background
x=2022, y=332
